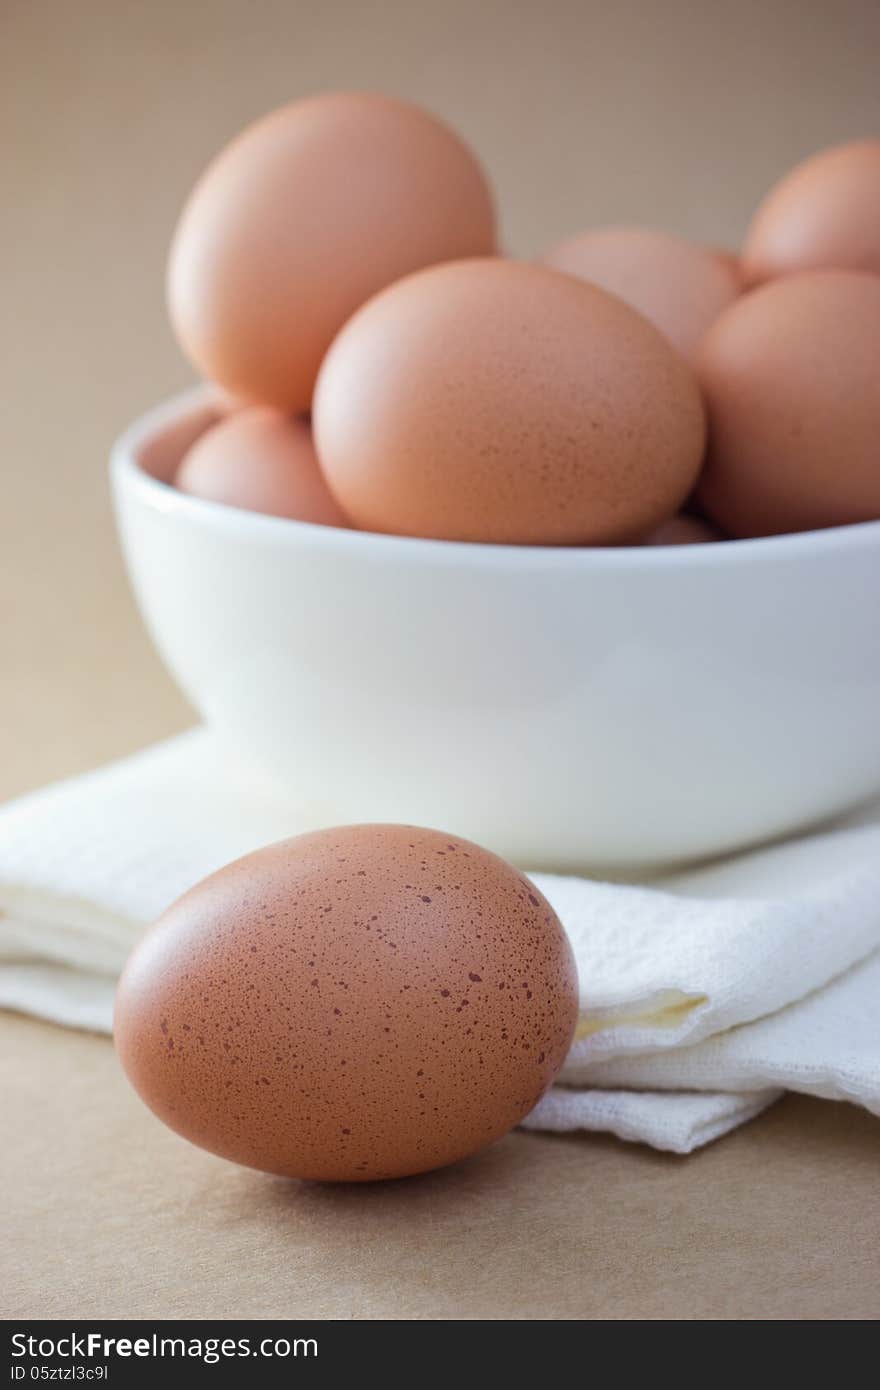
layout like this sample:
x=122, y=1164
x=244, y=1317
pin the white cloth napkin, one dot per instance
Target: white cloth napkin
x=701, y=999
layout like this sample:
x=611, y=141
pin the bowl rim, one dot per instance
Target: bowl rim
x=130, y=477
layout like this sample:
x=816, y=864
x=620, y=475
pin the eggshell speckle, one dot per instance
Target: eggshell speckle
x=679, y=286
x=791, y=376
x=303, y=217
x=353, y=1004
x=495, y=401
x=261, y=461
x=825, y=214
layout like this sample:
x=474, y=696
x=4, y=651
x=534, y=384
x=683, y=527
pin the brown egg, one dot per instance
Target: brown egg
x=357, y=1003
x=303, y=217
x=684, y=530
x=680, y=287
x=791, y=376
x=733, y=263
x=261, y=461
x=825, y=214
x=495, y=401
x=223, y=401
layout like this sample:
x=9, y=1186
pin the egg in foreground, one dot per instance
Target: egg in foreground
x=359, y=1003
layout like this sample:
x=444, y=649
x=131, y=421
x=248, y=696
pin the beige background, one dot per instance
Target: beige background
x=674, y=113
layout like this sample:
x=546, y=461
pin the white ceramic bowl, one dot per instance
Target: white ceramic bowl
x=568, y=708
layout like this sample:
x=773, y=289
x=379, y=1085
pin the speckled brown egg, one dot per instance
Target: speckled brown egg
x=508, y=403
x=824, y=215
x=791, y=376
x=680, y=286
x=359, y=1003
